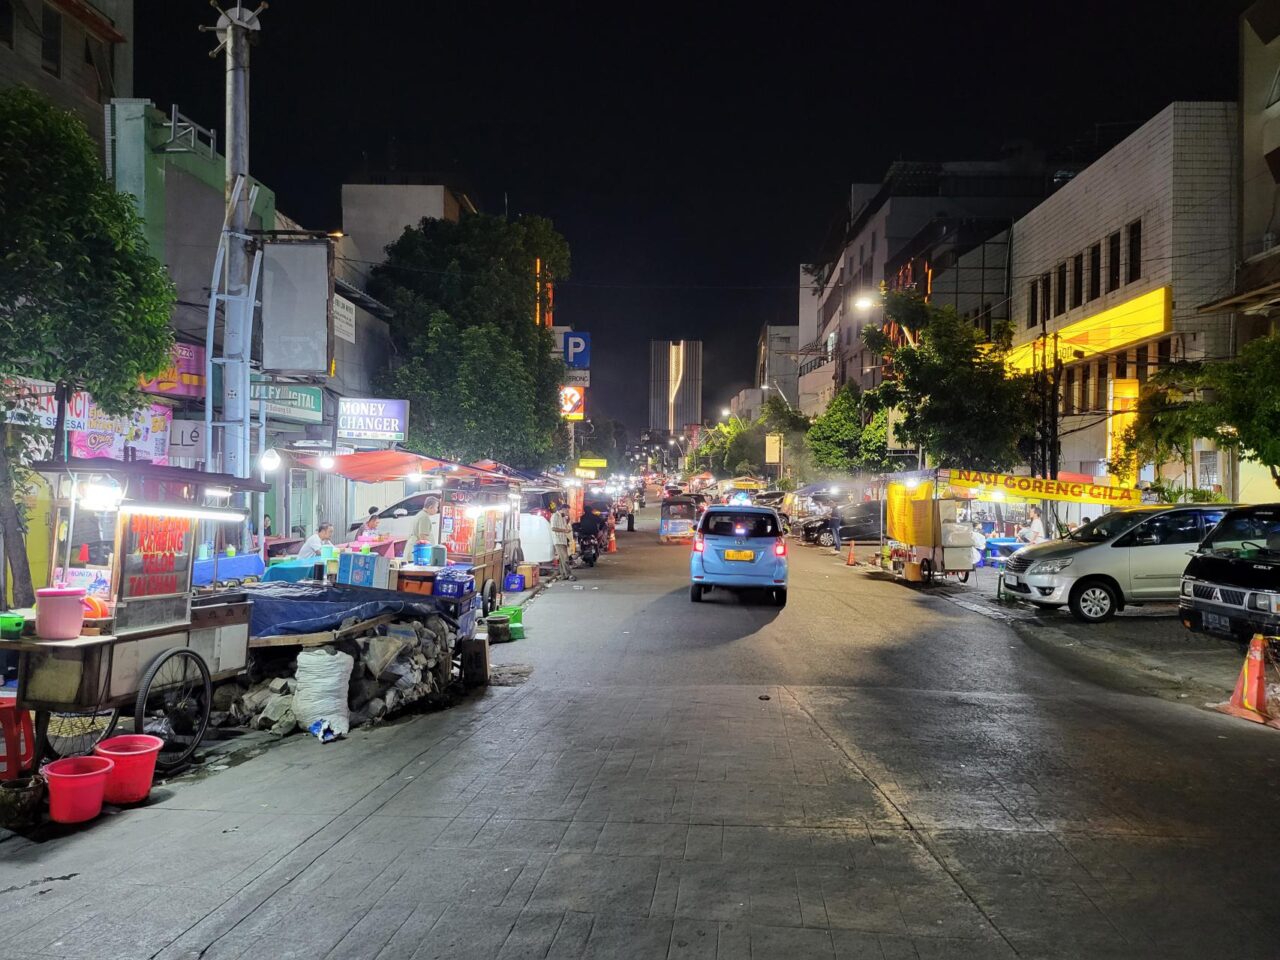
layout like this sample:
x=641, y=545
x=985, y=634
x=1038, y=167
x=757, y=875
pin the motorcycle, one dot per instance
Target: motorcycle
x=589, y=548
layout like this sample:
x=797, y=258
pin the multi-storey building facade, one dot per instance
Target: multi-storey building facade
x=78, y=53
x=675, y=385
x=1107, y=275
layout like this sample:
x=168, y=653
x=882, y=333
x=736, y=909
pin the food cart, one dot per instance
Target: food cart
x=934, y=520
x=129, y=534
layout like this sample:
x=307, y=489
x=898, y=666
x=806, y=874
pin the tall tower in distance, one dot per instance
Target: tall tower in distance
x=675, y=384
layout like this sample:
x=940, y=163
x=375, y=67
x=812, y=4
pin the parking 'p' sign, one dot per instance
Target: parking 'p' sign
x=577, y=350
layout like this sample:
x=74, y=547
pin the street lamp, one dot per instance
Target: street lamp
x=863, y=302
x=725, y=412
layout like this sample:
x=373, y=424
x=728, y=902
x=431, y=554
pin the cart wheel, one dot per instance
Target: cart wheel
x=963, y=577
x=61, y=735
x=489, y=597
x=173, y=704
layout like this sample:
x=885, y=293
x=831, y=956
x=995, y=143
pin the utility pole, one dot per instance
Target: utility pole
x=235, y=28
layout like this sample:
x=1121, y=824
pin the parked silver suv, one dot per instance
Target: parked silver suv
x=1129, y=556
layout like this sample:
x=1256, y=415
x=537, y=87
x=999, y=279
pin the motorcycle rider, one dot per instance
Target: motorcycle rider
x=590, y=525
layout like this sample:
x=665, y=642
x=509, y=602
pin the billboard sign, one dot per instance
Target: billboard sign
x=344, y=319
x=577, y=378
x=297, y=307
x=595, y=463
x=184, y=377
x=577, y=350
x=367, y=418
x=773, y=448
x=290, y=402
x=573, y=402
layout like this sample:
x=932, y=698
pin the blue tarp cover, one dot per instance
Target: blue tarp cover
x=286, y=608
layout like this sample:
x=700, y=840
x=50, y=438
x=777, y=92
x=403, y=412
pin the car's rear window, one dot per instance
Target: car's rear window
x=717, y=524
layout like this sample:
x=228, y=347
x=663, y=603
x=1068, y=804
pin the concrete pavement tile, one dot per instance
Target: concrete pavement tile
x=372, y=932
x=666, y=891
x=467, y=932
x=939, y=909
x=1016, y=853
x=758, y=942
x=616, y=937
x=775, y=895
x=713, y=891
x=571, y=938
x=407, y=937
x=531, y=936
x=588, y=883
x=704, y=842
x=642, y=839
x=813, y=909
x=858, y=899
x=523, y=885
x=693, y=940
x=581, y=836
x=458, y=832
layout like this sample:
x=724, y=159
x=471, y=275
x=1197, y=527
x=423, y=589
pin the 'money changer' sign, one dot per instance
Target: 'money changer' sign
x=362, y=418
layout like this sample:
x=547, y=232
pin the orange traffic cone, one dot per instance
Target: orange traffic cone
x=1249, y=701
x=613, y=543
x=851, y=560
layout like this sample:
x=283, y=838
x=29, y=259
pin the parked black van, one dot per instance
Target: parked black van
x=1231, y=587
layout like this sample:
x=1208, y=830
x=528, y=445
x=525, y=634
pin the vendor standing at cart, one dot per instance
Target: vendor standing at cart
x=426, y=526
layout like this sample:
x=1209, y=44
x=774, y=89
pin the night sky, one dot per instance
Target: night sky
x=692, y=158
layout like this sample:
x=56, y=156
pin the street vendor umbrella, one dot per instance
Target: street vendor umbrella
x=377, y=466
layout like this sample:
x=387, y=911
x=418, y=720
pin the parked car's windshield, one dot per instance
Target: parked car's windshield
x=1253, y=531
x=719, y=523
x=1108, y=526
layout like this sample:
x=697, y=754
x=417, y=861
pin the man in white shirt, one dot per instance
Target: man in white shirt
x=323, y=537
x=1033, y=532
x=560, y=531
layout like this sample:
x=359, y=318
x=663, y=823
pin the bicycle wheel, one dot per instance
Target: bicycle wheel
x=72, y=734
x=173, y=704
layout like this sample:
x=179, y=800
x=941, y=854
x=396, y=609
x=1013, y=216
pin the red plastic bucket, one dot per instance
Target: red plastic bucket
x=76, y=785
x=134, y=755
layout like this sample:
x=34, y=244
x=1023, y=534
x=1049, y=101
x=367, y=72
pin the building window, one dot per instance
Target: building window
x=1086, y=398
x=1164, y=352
x=1033, y=303
x=1208, y=470
x=1122, y=366
x=1113, y=262
x=6, y=22
x=1077, y=280
x=1060, y=291
x=51, y=40
x=1095, y=271
x=1044, y=297
x=1069, y=394
x=1135, y=252
x=1100, y=403
x=1140, y=362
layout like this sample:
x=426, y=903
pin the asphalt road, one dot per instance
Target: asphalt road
x=871, y=772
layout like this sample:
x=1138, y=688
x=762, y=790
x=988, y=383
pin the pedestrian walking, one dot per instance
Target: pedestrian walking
x=833, y=522
x=560, y=530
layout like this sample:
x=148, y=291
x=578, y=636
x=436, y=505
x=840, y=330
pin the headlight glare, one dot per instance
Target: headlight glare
x=1050, y=566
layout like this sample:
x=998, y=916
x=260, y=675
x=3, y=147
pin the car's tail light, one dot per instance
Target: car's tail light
x=780, y=548
x=699, y=544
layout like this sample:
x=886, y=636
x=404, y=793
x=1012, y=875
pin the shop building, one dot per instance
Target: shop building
x=78, y=53
x=675, y=385
x=1107, y=275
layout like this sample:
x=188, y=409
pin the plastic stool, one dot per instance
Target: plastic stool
x=19, y=739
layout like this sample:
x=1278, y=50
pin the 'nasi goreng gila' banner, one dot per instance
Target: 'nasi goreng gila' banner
x=1038, y=488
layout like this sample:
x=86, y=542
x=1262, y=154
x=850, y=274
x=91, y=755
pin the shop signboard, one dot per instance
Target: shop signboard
x=773, y=448
x=582, y=473
x=290, y=402
x=344, y=319
x=297, y=307
x=598, y=463
x=1037, y=488
x=577, y=378
x=573, y=402
x=367, y=418
x=184, y=377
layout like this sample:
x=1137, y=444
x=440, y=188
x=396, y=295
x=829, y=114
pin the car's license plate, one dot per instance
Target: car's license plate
x=1216, y=622
x=739, y=554
x=1012, y=578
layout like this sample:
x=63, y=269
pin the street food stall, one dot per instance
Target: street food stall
x=478, y=526
x=935, y=520
x=120, y=632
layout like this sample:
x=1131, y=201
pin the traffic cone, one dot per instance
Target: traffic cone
x=1249, y=701
x=851, y=560
x=613, y=543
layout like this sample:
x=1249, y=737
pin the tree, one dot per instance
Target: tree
x=835, y=439
x=83, y=304
x=1234, y=402
x=957, y=400
x=479, y=373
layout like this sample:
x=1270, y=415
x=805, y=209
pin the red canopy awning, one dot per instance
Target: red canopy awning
x=376, y=466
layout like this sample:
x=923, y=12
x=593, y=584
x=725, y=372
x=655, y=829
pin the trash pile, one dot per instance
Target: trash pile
x=358, y=680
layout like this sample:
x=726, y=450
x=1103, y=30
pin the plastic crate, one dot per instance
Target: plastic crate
x=454, y=586
x=514, y=583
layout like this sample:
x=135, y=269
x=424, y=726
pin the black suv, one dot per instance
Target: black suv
x=1231, y=587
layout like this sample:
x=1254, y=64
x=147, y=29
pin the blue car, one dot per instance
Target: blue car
x=739, y=548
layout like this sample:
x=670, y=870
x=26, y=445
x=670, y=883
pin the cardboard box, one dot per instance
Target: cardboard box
x=911, y=570
x=530, y=573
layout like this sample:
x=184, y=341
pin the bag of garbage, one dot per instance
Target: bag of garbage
x=321, y=692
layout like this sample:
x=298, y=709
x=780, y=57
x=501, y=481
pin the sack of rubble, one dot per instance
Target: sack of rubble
x=321, y=692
